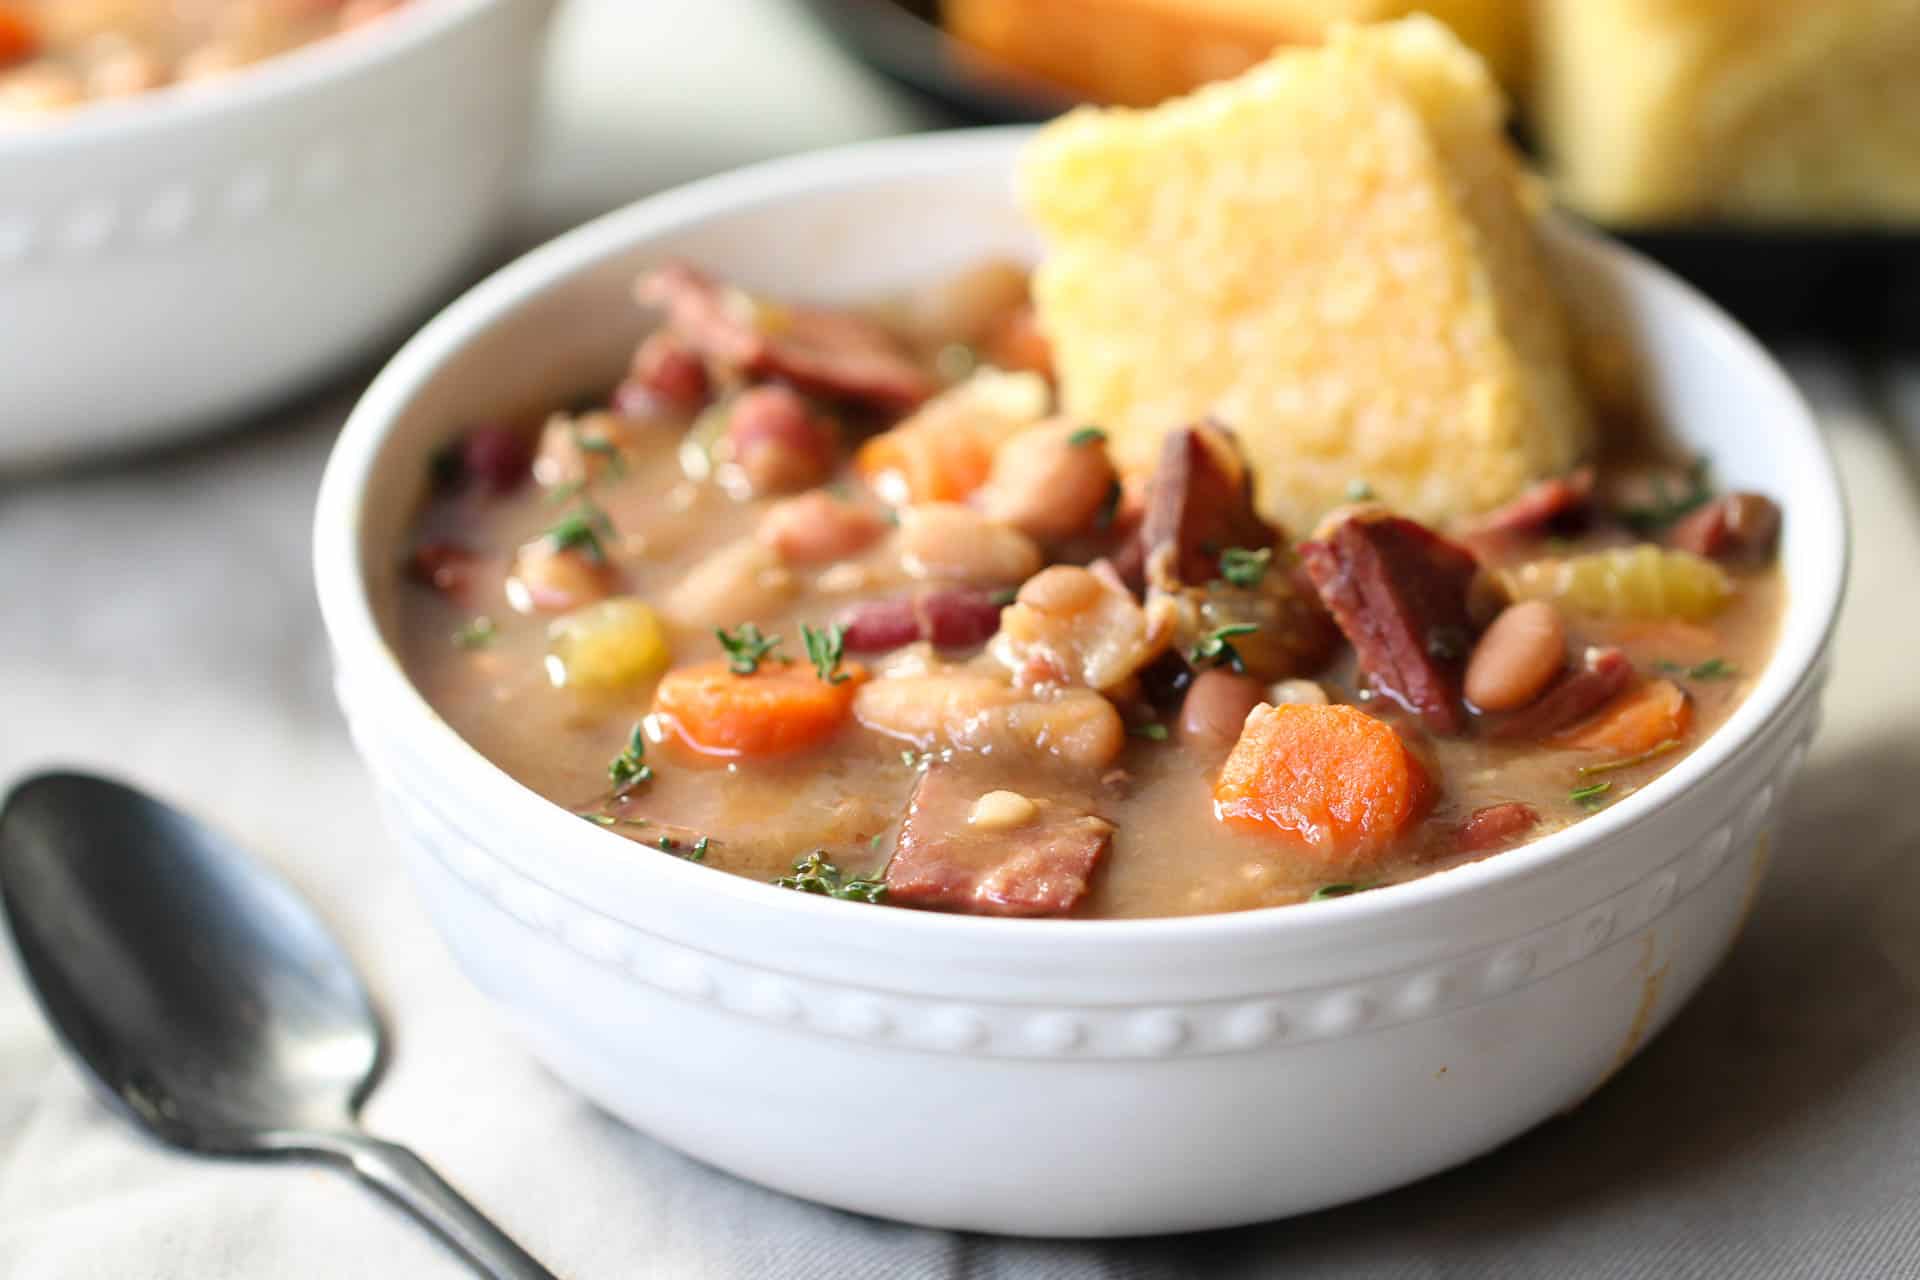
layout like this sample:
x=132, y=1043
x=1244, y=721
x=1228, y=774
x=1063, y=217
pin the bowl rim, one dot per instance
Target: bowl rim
x=341, y=56
x=366, y=661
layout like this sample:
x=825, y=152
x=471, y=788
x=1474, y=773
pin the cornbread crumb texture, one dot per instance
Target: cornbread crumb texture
x=1331, y=255
x=1791, y=110
x=1139, y=52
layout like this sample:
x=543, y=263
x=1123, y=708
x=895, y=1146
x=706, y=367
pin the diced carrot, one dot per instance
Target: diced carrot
x=18, y=38
x=1635, y=722
x=1332, y=781
x=782, y=707
x=1017, y=342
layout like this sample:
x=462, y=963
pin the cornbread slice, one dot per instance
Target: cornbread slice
x=1140, y=52
x=1333, y=256
x=1788, y=111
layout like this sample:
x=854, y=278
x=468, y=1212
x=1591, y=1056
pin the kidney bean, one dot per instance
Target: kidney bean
x=777, y=441
x=1216, y=707
x=1494, y=827
x=1517, y=657
x=493, y=457
x=949, y=619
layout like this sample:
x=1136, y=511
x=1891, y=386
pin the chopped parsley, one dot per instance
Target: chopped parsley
x=1152, y=731
x=1086, y=436
x=582, y=531
x=1359, y=491
x=601, y=447
x=476, y=633
x=1651, y=753
x=1667, y=506
x=630, y=767
x=613, y=820
x=1216, y=651
x=814, y=874
x=1340, y=890
x=1243, y=566
x=825, y=649
x=1711, y=669
x=1590, y=796
x=746, y=648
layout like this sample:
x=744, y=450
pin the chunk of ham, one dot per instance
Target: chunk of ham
x=1398, y=591
x=1199, y=502
x=1738, y=528
x=1558, y=504
x=824, y=352
x=947, y=860
x=1603, y=674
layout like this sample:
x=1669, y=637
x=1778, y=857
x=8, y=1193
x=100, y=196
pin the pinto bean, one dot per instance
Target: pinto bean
x=1050, y=483
x=550, y=579
x=1216, y=707
x=818, y=528
x=777, y=442
x=1517, y=657
x=952, y=543
x=740, y=581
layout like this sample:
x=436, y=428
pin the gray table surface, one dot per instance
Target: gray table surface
x=156, y=620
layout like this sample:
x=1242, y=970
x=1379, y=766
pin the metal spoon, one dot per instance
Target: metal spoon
x=205, y=996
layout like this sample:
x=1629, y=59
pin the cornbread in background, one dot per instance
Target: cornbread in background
x=1139, y=52
x=1672, y=111
x=1333, y=255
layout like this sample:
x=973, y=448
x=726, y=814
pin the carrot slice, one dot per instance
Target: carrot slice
x=1635, y=722
x=1332, y=781
x=782, y=707
x=913, y=463
x=18, y=38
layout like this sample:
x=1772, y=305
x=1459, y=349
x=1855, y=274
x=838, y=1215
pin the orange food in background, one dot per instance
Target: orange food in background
x=782, y=707
x=1139, y=52
x=1637, y=721
x=18, y=39
x=1332, y=781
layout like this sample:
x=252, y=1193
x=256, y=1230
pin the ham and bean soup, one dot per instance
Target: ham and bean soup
x=836, y=600
x=59, y=54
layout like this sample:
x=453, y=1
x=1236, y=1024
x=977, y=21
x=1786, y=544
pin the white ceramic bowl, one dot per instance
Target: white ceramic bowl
x=171, y=262
x=1030, y=1076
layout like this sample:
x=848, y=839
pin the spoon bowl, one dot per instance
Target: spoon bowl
x=204, y=997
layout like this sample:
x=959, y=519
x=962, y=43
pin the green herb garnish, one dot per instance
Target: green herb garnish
x=1004, y=596
x=1340, y=890
x=1651, y=753
x=1668, y=506
x=601, y=447
x=630, y=767
x=1711, y=669
x=825, y=649
x=1590, y=796
x=699, y=851
x=582, y=531
x=1087, y=436
x=1359, y=491
x=613, y=820
x=1152, y=731
x=1244, y=567
x=476, y=633
x=1215, y=651
x=746, y=648
x=814, y=874
x=1108, y=506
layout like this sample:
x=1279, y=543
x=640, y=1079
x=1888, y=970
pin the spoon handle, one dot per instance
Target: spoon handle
x=411, y=1183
